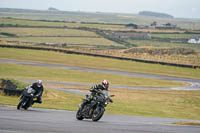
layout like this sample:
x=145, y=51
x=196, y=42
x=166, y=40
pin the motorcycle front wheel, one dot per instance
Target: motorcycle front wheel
x=98, y=113
x=26, y=107
x=19, y=105
x=28, y=104
x=78, y=115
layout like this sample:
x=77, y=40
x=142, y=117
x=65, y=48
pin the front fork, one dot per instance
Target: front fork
x=79, y=106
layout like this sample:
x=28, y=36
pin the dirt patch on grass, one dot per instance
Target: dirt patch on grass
x=161, y=51
x=191, y=123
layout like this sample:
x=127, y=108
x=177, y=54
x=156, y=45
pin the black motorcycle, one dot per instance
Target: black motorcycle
x=94, y=109
x=26, y=99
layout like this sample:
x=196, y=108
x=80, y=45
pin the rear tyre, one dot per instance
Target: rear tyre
x=98, y=113
x=78, y=115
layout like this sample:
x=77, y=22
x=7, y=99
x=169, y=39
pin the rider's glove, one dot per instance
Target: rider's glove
x=111, y=100
x=35, y=96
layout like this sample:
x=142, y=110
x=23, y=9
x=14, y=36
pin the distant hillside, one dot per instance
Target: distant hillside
x=52, y=9
x=155, y=14
x=95, y=17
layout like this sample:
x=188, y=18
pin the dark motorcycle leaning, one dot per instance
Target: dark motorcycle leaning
x=94, y=109
x=26, y=99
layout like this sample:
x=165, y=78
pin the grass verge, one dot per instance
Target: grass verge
x=52, y=99
x=96, y=62
x=156, y=103
x=14, y=71
x=191, y=123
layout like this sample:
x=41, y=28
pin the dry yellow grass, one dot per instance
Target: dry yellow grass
x=193, y=123
x=159, y=103
x=147, y=30
x=176, y=59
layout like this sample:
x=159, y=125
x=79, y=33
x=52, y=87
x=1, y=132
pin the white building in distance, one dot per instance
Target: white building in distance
x=194, y=40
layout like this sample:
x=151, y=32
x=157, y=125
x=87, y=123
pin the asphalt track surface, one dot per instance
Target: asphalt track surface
x=36, y=120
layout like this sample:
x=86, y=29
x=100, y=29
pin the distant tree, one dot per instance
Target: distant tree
x=52, y=9
x=154, y=23
x=155, y=14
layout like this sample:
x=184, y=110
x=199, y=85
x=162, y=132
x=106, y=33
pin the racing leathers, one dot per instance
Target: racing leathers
x=38, y=92
x=94, y=91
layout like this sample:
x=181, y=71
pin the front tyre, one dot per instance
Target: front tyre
x=26, y=107
x=20, y=105
x=78, y=115
x=98, y=113
x=28, y=104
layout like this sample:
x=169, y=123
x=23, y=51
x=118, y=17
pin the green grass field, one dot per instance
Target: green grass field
x=85, y=41
x=57, y=24
x=156, y=103
x=52, y=99
x=97, y=62
x=164, y=44
x=13, y=71
x=70, y=37
x=173, y=36
x=48, y=32
x=189, y=59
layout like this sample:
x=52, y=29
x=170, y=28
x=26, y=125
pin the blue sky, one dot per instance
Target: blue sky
x=177, y=8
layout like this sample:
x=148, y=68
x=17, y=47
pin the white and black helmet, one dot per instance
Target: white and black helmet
x=105, y=84
x=39, y=83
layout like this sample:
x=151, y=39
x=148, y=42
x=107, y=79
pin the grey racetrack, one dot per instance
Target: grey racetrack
x=37, y=120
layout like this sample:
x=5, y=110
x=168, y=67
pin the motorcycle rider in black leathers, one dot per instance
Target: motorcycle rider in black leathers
x=38, y=87
x=95, y=90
